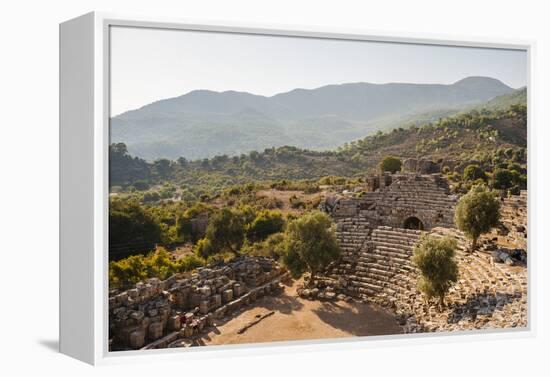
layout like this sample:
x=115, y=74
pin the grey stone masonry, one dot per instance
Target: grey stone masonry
x=155, y=313
x=398, y=198
x=383, y=263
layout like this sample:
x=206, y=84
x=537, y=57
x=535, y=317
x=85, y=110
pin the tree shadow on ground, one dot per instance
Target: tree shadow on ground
x=358, y=319
x=482, y=304
x=282, y=303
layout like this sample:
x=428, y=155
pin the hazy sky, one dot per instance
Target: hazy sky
x=152, y=64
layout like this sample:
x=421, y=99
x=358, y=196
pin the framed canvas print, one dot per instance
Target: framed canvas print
x=225, y=187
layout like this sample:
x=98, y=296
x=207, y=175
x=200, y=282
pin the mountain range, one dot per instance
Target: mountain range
x=205, y=123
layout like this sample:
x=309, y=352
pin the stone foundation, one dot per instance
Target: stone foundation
x=157, y=313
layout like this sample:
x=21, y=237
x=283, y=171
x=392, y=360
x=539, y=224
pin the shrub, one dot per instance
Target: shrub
x=391, y=164
x=504, y=179
x=266, y=223
x=473, y=173
x=204, y=248
x=296, y=202
x=272, y=247
x=190, y=262
x=151, y=196
x=159, y=264
x=477, y=212
x=434, y=257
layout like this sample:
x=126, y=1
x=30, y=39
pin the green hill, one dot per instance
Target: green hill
x=473, y=136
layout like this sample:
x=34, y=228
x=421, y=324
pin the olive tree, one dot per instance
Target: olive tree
x=477, y=212
x=435, y=258
x=225, y=232
x=310, y=245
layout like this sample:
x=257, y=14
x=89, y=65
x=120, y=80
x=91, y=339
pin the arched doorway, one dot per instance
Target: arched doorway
x=413, y=223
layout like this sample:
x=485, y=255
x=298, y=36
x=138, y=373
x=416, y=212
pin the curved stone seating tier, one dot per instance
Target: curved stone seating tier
x=487, y=295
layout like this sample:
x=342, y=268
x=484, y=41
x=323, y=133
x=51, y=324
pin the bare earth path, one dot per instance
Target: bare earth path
x=299, y=319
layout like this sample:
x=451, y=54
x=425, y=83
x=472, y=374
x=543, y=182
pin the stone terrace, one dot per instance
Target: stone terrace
x=487, y=295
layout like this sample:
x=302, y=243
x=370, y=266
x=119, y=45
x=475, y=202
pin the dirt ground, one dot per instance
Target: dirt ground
x=298, y=319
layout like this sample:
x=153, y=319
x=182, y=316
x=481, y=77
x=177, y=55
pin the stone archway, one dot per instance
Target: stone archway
x=413, y=222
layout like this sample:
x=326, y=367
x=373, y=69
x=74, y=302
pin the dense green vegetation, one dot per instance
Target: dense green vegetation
x=214, y=208
x=158, y=263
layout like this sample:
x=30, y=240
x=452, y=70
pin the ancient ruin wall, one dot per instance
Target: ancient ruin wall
x=394, y=199
x=156, y=313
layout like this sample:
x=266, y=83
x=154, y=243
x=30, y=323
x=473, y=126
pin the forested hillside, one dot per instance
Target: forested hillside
x=473, y=136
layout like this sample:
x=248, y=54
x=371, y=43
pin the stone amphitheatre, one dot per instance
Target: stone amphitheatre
x=372, y=287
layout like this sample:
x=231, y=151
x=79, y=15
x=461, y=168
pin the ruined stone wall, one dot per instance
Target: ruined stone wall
x=399, y=197
x=156, y=313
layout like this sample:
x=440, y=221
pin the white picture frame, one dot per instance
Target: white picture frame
x=84, y=140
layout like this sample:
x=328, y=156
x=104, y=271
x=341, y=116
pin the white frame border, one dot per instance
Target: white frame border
x=102, y=22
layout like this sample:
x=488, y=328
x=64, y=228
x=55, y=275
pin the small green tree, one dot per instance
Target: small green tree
x=391, y=164
x=434, y=257
x=225, y=232
x=473, y=173
x=310, y=245
x=477, y=212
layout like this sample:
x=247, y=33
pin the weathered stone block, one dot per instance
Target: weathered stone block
x=237, y=290
x=205, y=291
x=204, y=306
x=174, y=323
x=227, y=295
x=216, y=300
x=137, y=339
x=155, y=330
